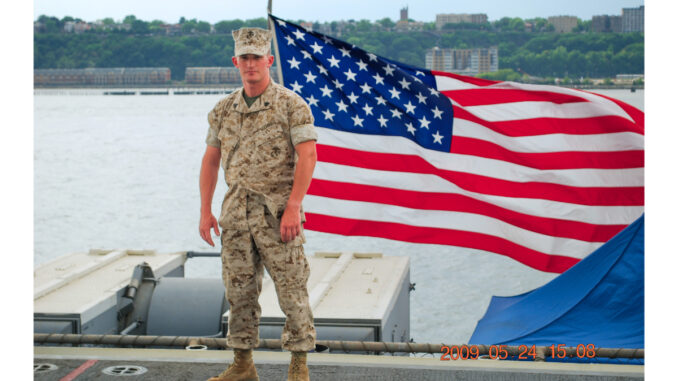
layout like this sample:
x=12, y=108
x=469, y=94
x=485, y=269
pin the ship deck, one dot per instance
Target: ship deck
x=88, y=363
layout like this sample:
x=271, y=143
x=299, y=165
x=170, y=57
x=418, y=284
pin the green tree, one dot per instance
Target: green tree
x=203, y=27
x=386, y=23
x=228, y=26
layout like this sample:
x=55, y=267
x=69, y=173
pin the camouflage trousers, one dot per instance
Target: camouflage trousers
x=244, y=254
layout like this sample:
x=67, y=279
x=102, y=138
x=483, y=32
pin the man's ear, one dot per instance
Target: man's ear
x=271, y=58
x=235, y=61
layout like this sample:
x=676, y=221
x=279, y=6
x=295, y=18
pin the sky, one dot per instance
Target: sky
x=213, y=11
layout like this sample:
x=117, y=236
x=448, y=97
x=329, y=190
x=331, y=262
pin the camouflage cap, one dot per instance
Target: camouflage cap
x=252, y=41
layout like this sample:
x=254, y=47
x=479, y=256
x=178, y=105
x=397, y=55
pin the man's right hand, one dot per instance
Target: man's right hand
x=208, y=222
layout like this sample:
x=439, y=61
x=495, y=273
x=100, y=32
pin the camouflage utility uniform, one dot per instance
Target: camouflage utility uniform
x=258, y=157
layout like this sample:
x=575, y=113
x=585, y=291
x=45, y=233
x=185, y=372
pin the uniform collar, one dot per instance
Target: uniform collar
x=265, y=101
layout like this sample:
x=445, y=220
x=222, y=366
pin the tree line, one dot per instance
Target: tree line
x=594, y=55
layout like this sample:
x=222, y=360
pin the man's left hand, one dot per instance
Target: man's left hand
x=290, y=224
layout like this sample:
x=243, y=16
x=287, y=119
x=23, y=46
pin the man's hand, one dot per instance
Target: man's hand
x=208, y=222
x=209, y=172
x=290, y=223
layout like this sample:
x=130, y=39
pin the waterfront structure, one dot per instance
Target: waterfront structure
x=212, y=75
x=101, y=76
x=563, y=24
x=456, y=18
x=606, y=24
x=463, y=61
x=217, y=75
x=633, y=19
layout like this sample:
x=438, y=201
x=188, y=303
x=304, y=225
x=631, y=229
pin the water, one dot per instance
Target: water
x=122, y=172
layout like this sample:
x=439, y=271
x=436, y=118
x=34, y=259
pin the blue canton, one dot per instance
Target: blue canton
x=349, y=89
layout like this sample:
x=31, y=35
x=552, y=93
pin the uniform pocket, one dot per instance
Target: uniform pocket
x=271, y=142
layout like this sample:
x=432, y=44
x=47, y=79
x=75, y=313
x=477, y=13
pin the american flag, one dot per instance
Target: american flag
x=541, y=174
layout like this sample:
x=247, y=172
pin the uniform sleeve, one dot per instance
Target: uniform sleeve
x=301, y=122
x=213, y=131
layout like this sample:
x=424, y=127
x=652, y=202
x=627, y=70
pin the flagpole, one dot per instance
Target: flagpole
x=271, y=26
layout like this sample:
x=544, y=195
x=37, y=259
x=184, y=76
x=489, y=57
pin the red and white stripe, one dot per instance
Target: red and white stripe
x=542, y=174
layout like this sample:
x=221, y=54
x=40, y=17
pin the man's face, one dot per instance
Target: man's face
x=253, y=68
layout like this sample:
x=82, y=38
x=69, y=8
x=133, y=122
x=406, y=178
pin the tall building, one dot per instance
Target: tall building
x=463, y=61
x=563, y=24
x=456, y=18
x=633, y=19
x=606, y=23
x=403, y=14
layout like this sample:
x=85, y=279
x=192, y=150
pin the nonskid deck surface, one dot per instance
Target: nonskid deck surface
x=172, y=364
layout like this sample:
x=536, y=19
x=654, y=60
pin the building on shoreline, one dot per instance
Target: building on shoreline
x=563, y=24
x=102, y=76
x=606, y=24
x=463, y=61
x=633, y=19
x=456, y=18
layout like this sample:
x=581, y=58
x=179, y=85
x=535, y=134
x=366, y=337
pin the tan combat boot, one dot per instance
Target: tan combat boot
x=298, y=370
x=242, y=368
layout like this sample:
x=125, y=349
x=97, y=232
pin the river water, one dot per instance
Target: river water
x=122, y=172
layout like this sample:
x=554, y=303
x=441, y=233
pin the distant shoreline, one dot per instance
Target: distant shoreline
x=232, y=86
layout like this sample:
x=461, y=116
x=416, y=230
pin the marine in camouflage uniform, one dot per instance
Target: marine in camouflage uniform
x=257, y=155
x=259, y=147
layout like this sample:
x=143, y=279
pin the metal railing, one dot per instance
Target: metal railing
x=540, y=353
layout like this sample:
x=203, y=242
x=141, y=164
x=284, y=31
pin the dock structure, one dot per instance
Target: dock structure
x=54, y=363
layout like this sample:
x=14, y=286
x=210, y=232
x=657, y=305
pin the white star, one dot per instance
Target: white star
x=294, y=64
x=310, y=77
x=312, y=101
x=327, y=40
x=350, y=75
x=327, y=92
x=372, y=56
x=382, y=120
x=419, y=73
x=404, y=83
x=329, y=115
x=434, y=91
x=296, y=87
x=280, y=22
x=290, y=40
x=366, y=88
x=417, y=79
x=380, y=100
x=395, y=113
x=342, y=106
x=344, y=52
x=437, y=113
x=389, y=69
x=317, y=48
x=410, y=107
x=333, y=61
x=357, y=121
x=437, y=138
x=367, y=109
x=422, y=98
x=378, y=79
x=322, y=69
x=299, y=35
x=424, y=122
x=306, y=55
x=353, y=98
x=394, y=93
x=410, y=128
x=361, y=65
x=338, y=84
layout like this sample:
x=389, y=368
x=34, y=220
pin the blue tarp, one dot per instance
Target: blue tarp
x=599, y=301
